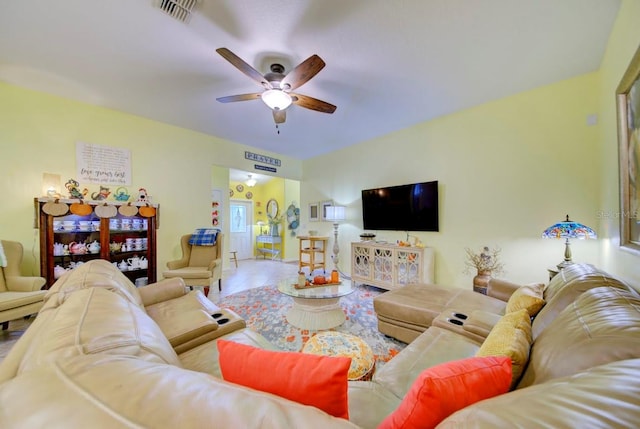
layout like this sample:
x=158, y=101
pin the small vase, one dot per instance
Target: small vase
x=481, y=282
x=274, y=230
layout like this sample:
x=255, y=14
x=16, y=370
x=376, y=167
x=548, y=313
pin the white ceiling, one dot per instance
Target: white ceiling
x=390, y=64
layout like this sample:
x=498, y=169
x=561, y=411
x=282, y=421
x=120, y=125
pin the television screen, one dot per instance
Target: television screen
x=411, y=207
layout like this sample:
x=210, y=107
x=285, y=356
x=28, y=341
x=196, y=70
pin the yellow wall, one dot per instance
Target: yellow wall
x=623, y=43
x=274, y=188
x=38, y=133
x=506, y=170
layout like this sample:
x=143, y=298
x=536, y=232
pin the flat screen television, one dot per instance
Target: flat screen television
x=411, y=207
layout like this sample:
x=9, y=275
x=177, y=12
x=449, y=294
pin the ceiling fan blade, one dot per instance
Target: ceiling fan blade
x=312, y=103
x=279, y=116
x=302, y=73
x=245, y=68
x=239, y=97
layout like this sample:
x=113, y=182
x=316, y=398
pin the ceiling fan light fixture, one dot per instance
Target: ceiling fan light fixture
x=276, y=99
x=251, y=182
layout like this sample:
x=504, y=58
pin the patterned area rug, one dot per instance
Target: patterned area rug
x=265, y=309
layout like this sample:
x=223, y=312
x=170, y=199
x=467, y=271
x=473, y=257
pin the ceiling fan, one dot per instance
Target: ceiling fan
x=278, y=85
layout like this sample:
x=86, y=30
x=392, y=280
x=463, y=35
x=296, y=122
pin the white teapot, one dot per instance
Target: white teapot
x=134, y=263
x=94, y=247
x=144, y=263
x=58, y=249
x=123, y=266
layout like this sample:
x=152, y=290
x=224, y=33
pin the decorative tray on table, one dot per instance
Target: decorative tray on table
x=311, y=285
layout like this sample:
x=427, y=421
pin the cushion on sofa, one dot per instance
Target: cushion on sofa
x=446, y=388
x=106, y=391
x=566, y=286
x=602, y=397
x=98, y=321
x=97, y=274
x=510, y=337
x=528, y=297
x=434, y=346
x=204, y=358
x=320, y=381
x=602, y=325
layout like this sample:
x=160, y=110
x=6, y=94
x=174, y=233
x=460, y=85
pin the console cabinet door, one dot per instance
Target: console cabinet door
x=389, y=266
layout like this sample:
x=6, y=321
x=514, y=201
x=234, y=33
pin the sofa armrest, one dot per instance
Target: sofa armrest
x=24, y=284
x=481, y=322
x=163, y=290
x=455, y=320
x=501, y=289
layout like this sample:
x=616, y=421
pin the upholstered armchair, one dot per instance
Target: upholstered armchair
x=20, y=296
x=199, y=265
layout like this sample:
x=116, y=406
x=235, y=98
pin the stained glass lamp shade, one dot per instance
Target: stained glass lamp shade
x=568, y=229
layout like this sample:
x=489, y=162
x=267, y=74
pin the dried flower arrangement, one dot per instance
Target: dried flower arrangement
x=486, y=260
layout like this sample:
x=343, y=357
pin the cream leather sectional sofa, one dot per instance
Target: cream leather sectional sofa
x=104, y=354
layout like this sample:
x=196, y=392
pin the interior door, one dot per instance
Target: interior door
x=241, y=228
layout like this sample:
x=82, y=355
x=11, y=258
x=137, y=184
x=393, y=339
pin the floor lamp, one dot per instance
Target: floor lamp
x=336, y=214
x=568, y=229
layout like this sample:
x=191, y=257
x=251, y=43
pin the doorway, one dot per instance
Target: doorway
x=241, y=228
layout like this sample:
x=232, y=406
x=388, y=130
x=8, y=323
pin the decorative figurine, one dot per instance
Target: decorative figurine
x=73, y=188
x=121, y=194
x=102, y=195
x=142, y=195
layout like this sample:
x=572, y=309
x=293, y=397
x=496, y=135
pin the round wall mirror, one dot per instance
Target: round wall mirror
x=272, y=208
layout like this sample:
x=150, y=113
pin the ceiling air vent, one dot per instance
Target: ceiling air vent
x=178, y=9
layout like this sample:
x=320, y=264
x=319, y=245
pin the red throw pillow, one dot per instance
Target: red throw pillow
x=446, y=388
x=320, y=381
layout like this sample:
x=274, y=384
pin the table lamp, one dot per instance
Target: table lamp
x=335, y=214
x=568, y=229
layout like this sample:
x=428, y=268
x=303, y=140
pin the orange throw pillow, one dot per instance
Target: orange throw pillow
x=443, y=389
x=319, y=381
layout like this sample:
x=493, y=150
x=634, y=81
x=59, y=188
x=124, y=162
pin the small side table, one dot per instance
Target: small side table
x=315, y=249
x=271, y=241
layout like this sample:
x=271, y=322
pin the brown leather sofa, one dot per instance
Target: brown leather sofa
x=100, y=354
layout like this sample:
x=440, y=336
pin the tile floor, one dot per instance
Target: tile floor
x=249, y=274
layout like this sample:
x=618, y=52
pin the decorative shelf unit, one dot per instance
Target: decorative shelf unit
x=102, y=231
x=390, y=266
x=266, y=245
x=312, y=252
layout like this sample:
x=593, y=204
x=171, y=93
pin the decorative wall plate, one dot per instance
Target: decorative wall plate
x=231, y=192
x=239, y=188
x=249, y=195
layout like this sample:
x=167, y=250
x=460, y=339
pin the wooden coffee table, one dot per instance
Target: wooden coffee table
x=316, y=308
